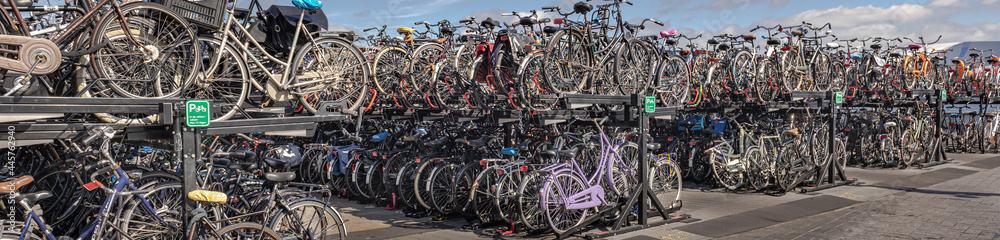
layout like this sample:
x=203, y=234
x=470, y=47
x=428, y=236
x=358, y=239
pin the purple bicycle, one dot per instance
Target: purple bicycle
x=569, y=193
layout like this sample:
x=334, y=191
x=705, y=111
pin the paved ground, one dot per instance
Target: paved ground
x=960, y=200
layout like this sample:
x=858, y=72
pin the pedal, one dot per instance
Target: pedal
x=439, y=218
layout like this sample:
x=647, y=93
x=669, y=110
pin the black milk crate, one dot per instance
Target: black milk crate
x=206, y=14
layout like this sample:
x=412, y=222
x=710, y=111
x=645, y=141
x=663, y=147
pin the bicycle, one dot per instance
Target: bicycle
x=324, y=73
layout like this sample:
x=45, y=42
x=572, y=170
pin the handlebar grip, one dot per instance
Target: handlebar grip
x=549, y=8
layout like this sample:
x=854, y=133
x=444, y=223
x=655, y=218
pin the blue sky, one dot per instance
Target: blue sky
x=958, y=20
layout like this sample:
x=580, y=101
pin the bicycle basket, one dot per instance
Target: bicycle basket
x=280, y=23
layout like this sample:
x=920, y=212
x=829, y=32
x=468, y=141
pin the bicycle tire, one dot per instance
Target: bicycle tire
x=245, y=230
x=342, y=80
x=143, y=28
x=316, y=227
x=228, y=86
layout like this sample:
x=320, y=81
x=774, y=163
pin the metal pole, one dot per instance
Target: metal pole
x=643, y=118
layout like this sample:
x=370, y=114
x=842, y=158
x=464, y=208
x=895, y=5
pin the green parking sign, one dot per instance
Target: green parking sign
x=840, y=97
x=944, y=95
x=198, y=113
x=650, y=104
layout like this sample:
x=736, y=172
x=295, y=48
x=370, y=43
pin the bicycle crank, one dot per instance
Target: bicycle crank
x=39, y=56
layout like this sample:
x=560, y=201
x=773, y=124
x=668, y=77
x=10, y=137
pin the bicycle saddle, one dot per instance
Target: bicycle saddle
x=527, y=21
x=773, y=42
x=508, y=151
x=832, y=45
x=19, y=3
x=221, y=161
x=31, y=198
x=670, y=42
x=240, y=13
x=489, y=23
x=797, y=33
x=652, y=146
x=749, y=37
x=687, y=124
x=668, y=33
x=435, y=143
x=567, y=153
x=992, y=60
x=915, y=46
x=548, y=154
x=713, y=41
x=724, y=47
x=243, y=166
x=448, y=31
x=413, y=138
x=308, y=4
x=438, y=41
x=953, y=115
x=275, y=163
x=405, y=30
x=876, y=46
x=13, y=185
x=989, y=115
x=208, y=196
x=550, y=29
x=974, y=55
x=890, y=124
x=907, y=119
x=938, y=58
x=582, y=7
x=894, y=55
x=379, y=137
x=280, y=176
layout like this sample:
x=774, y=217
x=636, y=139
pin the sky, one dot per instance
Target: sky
x=956, y=20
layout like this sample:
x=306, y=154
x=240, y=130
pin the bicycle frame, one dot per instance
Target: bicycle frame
x=593, y=195
x=100, y=221
x=283, y=82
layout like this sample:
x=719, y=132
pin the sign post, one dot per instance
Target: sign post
x=649, y=104
x=198, y=113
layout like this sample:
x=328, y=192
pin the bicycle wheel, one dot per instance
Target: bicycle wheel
x=838, y=76
x=309, y=219
x=744, y=69
x=330, y=71
x=727, y=171
x=785, y=175
x=768, y=83
x=462, y=189
x=244, y=231
x=482, y=193
x=440, y=186
x=555, y=193
x=160, y=58
x=226, y=87
x=665, y=177
x=373, y=181
x=405, y=184
x=529, y=202
x=716, y=84
x=758, y=168
x=673, y=78
x=166, y=202
x=635, y=65
x=567, y=61
x=421, y=177
x=420, y=77
x=533, y=91
x=792, y=71
x=821, y=73
x=449, y=85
